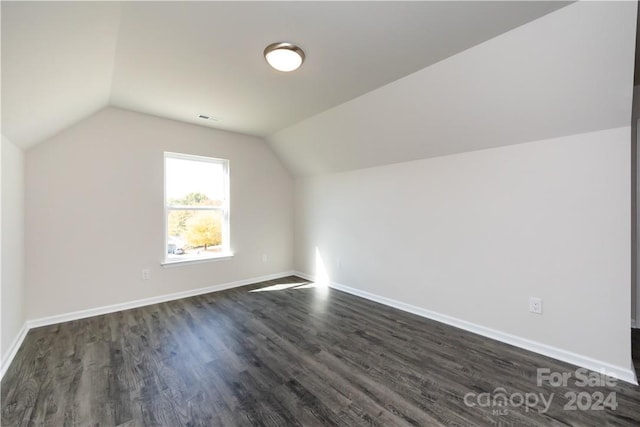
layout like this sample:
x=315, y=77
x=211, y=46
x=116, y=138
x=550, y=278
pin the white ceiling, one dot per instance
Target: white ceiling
x=567, y=73
x=57, y=62
x=62, y=61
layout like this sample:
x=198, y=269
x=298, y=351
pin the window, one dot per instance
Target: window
x=196, y=192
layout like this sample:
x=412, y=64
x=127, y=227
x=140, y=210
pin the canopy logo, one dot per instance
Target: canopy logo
x=501, y=402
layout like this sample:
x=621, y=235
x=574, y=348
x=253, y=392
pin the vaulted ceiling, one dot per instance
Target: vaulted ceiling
x=63, y=61
x=566, y=73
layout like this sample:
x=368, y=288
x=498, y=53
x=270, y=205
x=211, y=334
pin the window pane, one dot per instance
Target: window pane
x=194, y=233
x=194, y=183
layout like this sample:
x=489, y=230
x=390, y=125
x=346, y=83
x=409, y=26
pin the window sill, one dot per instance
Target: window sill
x=168, y=263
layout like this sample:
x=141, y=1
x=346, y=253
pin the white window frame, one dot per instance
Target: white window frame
x=226, y=252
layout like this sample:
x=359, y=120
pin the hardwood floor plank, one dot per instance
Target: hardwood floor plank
x=282, y=353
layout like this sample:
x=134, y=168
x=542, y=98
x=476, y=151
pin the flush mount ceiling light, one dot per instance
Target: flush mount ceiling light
x=284, y=56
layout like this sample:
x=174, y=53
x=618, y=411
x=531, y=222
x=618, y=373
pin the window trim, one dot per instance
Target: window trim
x=226, y=252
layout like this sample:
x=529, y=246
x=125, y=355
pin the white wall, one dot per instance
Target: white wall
x=474, y=235
x=94, y=212
x=12, y=259
x=635, y=163
x=635, y=285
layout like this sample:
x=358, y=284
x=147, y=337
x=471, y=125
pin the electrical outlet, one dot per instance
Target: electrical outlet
x=535, y=305
x=146, y=274
x=265, y=258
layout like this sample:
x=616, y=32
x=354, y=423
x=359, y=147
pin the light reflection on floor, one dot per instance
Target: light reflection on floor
x=284, y=286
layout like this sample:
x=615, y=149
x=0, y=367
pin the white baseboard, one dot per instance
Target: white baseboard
x=81, y=314
x=621, y=373
x=13, y=349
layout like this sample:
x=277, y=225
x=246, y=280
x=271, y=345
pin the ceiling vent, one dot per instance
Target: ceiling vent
x=205, y=117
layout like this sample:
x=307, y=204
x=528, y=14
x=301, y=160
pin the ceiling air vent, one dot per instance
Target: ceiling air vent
x=205, y=117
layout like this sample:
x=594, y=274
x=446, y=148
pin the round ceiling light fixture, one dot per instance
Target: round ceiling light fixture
x=284, y=56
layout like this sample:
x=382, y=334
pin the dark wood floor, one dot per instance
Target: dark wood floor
x=293, y=355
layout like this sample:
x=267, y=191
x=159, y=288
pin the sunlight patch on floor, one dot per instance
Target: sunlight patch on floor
x=280, y=287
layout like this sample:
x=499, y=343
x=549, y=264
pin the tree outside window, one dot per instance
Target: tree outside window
x=196, y=205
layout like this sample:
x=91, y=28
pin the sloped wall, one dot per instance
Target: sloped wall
x=568, y=72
